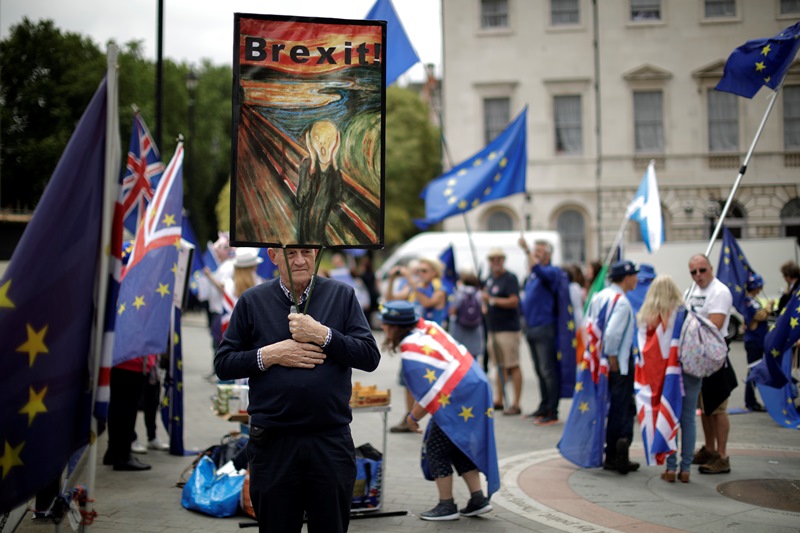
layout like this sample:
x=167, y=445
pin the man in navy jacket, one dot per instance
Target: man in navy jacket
x=301, y=453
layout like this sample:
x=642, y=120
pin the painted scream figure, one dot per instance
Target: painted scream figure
x=320, y=186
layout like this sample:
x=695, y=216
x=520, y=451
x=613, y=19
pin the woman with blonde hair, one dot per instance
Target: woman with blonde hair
x=244, y=272
x=659, y=376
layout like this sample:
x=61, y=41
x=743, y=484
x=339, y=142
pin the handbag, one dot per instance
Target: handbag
x=211, y=494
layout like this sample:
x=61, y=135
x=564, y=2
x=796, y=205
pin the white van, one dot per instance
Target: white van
x=433, y=243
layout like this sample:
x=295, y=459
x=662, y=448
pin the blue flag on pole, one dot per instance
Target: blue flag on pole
x=778, y=346
x=760, y=62
x=196, y=268
x=144, y=305
x=46, y=318
x=172, y=403
x=449, y=274
x=497, y=171
x=645, y=208
x=400, y=54
x=733, y=269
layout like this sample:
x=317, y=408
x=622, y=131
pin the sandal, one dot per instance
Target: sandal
x=684, y=476
x=669, y=476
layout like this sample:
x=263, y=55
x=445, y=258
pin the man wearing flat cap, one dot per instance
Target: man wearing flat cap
x=617, y=343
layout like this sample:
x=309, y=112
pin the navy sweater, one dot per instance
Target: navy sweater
x=298, y=400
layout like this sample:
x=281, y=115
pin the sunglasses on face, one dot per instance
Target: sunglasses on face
x=422, y=270
x=698, y=270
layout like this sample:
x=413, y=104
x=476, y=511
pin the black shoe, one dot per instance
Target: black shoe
x=633, y=466
x=442, y=511
x=107, y=459
x=475, y=509
x=131, y=465
x=610, y=465
x=623, y=460
x=757, y=408
x=536, y=414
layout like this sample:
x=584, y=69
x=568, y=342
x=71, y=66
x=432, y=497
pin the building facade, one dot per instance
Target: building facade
x=609, y=87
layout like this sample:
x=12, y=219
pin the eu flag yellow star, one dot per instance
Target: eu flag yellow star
x=444, y=400
x=584, y=406
x=490, y=412
x=5, y=301
x=35, y=404
x=578, y=386
x=121, y=308
x=163, y=289
x=430, y=375
x=138, y=301
x=10, y=458
x=466, y=413
x=169, y=220
x=35, y=343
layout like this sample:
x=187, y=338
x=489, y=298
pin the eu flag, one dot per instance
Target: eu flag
x=760, y=62
x=566, y=342
x=733, y=269
x=449, y=275
x=400, y=54
x=144, y=305
x=196, y=268
x=172, y=402
x=495, y=172
x=584, y=434
x=46, y=318
x=772, y=374
x=447, y=381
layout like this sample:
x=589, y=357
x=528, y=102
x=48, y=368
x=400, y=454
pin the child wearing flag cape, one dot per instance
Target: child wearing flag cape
x=447, y=383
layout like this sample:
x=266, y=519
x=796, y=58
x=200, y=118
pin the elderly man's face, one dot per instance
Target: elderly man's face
x=701, y=271
x=541, y=253
x=301, y=263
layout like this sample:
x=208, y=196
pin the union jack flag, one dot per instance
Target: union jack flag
x=142, y=174
x=585, y=429
x=445, y=379
x=145, y=301
x=657, y=382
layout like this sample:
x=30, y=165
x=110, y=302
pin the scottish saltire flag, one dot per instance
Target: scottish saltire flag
x=657, y=382
x=172, y=402
x=449, y=273
x=495, y=172
x=566, y=341
x=760, y=62
x=142, y=174
x=400, y=54
x=144, y=305
x=733, y=269
x=584, y=434
x=47, y=310
x=645, y=208
x=445, y=379
x=196, y=268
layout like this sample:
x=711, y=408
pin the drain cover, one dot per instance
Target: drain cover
x=781, y=494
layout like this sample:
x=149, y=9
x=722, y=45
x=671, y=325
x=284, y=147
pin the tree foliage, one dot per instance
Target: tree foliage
x=49, y=77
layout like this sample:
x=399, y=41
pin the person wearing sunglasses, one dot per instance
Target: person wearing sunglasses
x=712, y=299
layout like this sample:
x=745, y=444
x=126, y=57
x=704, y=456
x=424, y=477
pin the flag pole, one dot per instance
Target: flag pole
x=112, y=150
x=743, y=168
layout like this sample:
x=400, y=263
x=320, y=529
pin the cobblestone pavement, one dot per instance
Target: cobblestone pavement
x=541, y=492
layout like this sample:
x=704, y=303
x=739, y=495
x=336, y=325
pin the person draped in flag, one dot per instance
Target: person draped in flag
x=660, y=408
x=450, y=385
x=617, y=347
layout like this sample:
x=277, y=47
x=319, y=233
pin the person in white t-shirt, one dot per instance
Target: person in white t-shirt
x=712, y=299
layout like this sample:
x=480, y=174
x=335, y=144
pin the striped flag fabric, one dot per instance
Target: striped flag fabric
x=657, y=383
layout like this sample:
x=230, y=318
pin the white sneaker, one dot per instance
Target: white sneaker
x=138, y=447
x=156, y=444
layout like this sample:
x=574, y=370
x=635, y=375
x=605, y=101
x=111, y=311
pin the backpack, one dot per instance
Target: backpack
x=468, y=313
x=702, y=350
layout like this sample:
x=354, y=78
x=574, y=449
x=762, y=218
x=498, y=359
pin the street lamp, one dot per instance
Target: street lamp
x=191, y=85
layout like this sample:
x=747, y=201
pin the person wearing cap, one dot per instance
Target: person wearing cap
x=299, y=365
x=617, y=347
x=244, y=272
x=501, y=298
x=539, y=308
x=450, y=385
x=712, y=299
x=755, y=331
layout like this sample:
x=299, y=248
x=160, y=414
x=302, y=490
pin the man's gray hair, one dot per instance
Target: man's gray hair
x=547, y=245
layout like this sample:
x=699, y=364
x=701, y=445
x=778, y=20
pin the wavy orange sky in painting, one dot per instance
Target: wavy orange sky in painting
x=310, y=35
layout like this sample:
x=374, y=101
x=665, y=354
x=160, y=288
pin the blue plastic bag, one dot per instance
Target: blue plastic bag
x=212, y=494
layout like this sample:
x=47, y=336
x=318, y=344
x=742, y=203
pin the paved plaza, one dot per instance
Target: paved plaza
x=540, y=491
